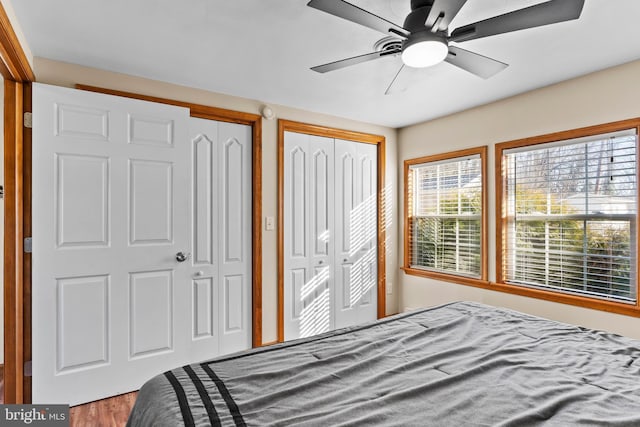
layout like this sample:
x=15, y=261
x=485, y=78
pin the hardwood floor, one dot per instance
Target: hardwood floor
x=112, y=412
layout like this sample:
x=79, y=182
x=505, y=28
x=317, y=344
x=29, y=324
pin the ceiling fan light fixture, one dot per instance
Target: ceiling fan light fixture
x=424, y=50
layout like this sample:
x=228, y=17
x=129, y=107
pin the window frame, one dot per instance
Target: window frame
x=482, y=281
x=502, y=220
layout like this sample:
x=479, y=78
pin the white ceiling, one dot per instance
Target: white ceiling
x=262, y=49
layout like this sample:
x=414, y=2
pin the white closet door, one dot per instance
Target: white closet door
x=368, y=290
x=221, y=262
x=356, y=233
x=110, y=212
x=308, y=240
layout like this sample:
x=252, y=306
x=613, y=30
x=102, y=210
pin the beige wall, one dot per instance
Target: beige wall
x=64, y=74
x=605, y=96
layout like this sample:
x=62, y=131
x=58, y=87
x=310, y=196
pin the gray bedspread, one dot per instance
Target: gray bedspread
x=461, y=364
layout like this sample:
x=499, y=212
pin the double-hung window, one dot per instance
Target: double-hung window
x=445, y=216
x=569, y=215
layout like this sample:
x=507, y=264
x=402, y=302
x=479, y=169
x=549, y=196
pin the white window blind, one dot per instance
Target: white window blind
x=571, y=216
x=446, y=216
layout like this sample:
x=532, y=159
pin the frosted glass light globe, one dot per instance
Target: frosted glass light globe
x=424, y=53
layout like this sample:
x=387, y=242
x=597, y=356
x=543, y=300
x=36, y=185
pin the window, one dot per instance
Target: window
x=569, y=214
x=445, y=216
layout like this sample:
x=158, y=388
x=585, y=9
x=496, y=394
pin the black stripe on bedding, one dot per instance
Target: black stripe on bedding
x=231, y=404
x=187, y=417
x=206, y=399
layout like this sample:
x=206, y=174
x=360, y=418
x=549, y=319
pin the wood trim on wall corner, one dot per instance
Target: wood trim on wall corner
x=15, y=65
x=255, y=121
x=310, y=129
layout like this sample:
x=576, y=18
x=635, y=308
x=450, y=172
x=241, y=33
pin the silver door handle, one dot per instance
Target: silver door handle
x=182, y=257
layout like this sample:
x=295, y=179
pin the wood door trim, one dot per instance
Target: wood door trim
x=310, y=129
x=223, y=115
x=256, y=230
x=15, y=65
x=383, y=194
x=26, y=271
x=13, y=244
x=197, y=110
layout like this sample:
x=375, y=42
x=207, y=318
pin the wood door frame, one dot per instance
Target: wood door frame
x=18, y=75
x=230, y=116
x=367, y=138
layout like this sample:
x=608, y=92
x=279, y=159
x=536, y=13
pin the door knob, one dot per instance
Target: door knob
x=181, y=256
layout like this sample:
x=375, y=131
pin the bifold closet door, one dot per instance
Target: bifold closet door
x=356, y=261
x=308, y=240
x=220, y=288
x=330, y=234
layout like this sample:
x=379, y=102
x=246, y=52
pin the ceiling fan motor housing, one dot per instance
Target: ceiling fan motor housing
x=416, y=4
x=415, y=20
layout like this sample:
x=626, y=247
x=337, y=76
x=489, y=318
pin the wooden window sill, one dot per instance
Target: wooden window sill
x=575, y=300
x=446, y=277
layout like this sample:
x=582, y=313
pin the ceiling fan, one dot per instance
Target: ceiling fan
x=424, y=39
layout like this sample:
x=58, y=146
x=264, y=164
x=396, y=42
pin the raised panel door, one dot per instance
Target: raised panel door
x=110, y=300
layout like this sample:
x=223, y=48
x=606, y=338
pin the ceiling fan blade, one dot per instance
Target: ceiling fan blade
x=474, y=63
x=442, y=13
x=551, y=12
x=393, y=86
x=336, y=65
x=353, y=13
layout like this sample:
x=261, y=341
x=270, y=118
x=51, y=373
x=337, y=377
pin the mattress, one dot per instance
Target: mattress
x=460, y=364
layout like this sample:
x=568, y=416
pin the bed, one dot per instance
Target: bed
x=453, y=365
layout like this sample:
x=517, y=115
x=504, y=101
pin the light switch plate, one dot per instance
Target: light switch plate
x=269, y=223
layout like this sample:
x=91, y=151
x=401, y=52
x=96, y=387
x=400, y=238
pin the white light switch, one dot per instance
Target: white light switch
x=269, y=223
x=389, y=288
